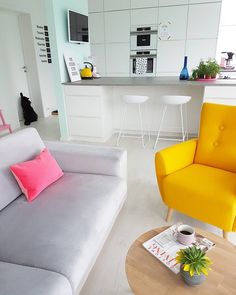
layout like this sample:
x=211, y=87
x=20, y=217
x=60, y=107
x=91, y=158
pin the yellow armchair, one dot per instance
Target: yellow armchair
x=198, y=177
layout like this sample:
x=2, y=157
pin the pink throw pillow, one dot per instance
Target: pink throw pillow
x=34, y=176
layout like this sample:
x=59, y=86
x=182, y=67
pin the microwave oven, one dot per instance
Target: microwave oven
x=143, y=38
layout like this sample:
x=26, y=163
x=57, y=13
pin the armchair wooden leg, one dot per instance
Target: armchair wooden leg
x=169, y=214
x=225, y=235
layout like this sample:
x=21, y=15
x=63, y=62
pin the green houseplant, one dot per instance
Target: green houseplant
x=212, y=68
x=194, y=265
x=206, y=70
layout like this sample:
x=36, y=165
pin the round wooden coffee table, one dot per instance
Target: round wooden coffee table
x=148, y=276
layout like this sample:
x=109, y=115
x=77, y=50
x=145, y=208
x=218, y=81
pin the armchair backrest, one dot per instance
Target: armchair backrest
x=217, y=137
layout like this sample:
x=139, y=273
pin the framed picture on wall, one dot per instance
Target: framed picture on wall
x=72, y=68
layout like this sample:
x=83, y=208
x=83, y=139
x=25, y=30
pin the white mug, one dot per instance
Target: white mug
x=185, y=234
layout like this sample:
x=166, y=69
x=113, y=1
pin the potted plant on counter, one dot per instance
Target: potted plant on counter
x=194, y=265
x=206, y=70
x=212, y=68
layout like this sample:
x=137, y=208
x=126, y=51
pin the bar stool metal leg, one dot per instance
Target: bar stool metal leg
x=160, y=126
x=141, y=124
x=122, y=124
x=182, y=122
x=148, y=122
x=186, y=120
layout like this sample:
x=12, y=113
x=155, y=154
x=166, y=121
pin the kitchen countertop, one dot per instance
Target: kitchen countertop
x=149, y=81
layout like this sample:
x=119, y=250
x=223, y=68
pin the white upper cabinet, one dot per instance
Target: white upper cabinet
x=175, y=19
x=148, y=16
x=117, y=59
x=202, y=1
x=172, y=2
x=171, y=56
x=117, y=26
x=143, y=3
x=95, y=5
x=96, y=28
x=116, y=4
x=203, y=21
x=200, y=49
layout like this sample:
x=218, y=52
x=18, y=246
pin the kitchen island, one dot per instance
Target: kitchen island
x=94, y=107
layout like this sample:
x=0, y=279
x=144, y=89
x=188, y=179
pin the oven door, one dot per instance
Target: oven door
x=143, y=41
x=142, y=66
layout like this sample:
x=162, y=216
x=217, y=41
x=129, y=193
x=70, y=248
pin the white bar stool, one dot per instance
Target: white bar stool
x=138, y=100
x=174, y=100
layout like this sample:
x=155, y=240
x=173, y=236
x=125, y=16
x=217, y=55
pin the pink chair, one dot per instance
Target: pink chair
x=4, y=125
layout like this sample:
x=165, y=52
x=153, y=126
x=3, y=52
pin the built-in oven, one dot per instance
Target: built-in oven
x=143, y=38
x=143, y=63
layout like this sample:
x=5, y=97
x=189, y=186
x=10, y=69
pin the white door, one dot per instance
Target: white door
x=32, y=76
x=13, y=67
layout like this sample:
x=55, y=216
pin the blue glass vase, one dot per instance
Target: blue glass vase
x=184, y=75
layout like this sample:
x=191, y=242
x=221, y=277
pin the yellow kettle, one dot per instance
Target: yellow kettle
x=87, y=72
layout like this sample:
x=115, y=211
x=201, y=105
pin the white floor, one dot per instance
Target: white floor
x=143, y=211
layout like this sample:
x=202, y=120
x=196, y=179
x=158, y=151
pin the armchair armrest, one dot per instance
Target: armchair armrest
x=89, y=159
x=176, y=157
x=173, y=159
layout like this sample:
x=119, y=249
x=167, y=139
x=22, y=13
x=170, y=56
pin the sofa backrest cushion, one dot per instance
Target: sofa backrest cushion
x=217, y=137
x=20, y=146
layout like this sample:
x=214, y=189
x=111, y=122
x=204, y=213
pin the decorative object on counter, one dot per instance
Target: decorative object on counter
x=184, y=75
x=194, y=265
x=87, y=72
x=206, y=70
x=72, y=68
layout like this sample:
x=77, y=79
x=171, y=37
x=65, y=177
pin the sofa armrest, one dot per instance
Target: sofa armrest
x=89, y=159
x=176, y=157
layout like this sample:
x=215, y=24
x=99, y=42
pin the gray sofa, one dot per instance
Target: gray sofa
x=49, y=246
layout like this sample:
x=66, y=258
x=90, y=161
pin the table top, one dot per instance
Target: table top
x=150, y=81
x=148, y=276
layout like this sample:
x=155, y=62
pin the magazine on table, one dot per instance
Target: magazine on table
x=164, y=247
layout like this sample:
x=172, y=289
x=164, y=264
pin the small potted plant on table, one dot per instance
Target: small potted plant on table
x=194, y=265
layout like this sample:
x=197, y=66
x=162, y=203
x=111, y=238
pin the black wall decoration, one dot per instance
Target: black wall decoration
x=43, y=42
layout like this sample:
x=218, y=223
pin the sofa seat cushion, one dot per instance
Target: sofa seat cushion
x=23, y=280
x=65, y=227
x=203, y=192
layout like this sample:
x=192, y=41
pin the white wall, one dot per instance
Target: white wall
x=9, y=72
x=37, y=11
